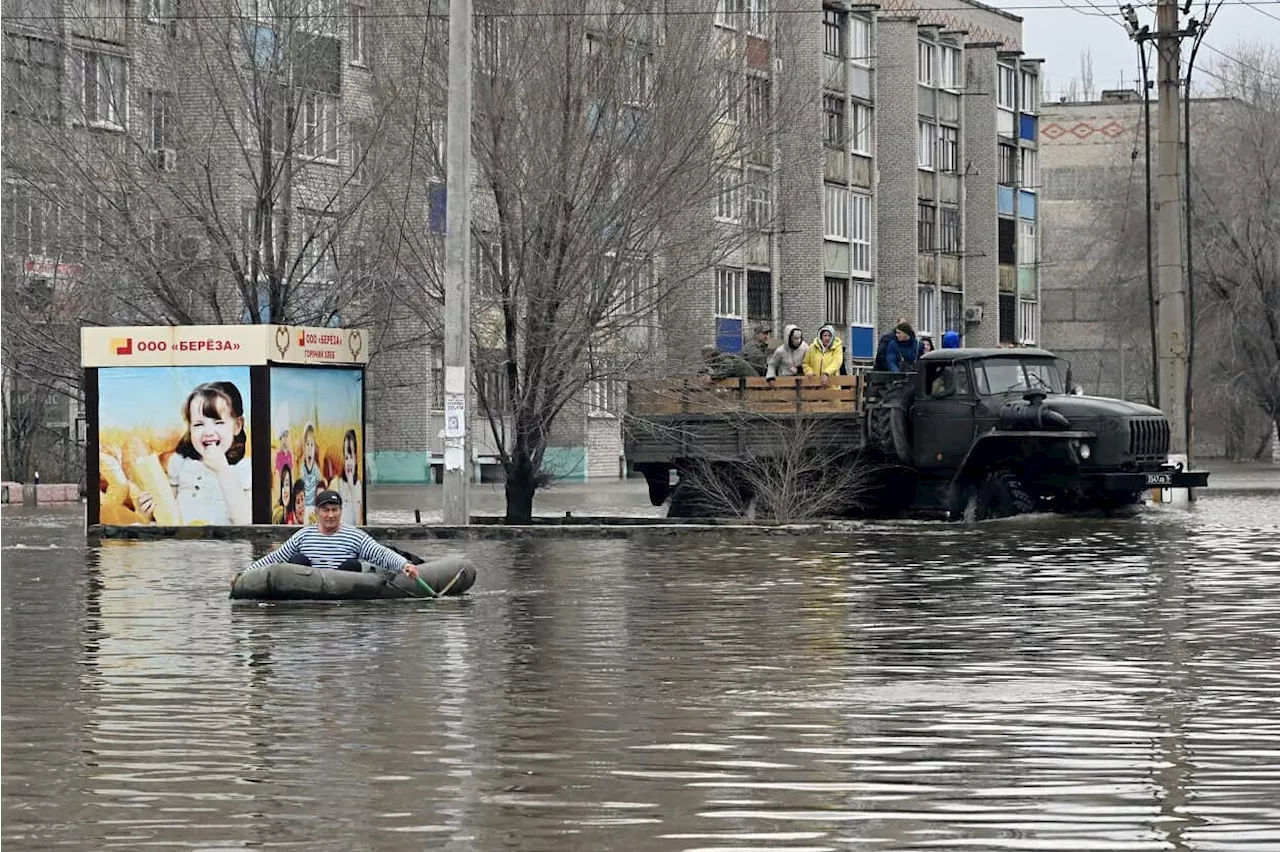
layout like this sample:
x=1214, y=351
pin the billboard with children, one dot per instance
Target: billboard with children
x=317, y=441
x=173, y=445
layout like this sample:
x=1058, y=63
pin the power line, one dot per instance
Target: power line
x=1239, y=62
x=1255, y=6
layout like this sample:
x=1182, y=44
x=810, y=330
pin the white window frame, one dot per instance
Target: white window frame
x=357, y=34
x=359, y=153
x=1006, y=87
x=161, y=107
x=956, y=297
x=318, y=246
x=949, y=236
x=605, y=397
x=1029, y=168
x=729, y=199
x=318, y=126
x=926, y=59
x=858, y=40
x=926, y=308
x=729, y=284
x=757, y=17
x=835, y=21
x=952, y=69
x=759, y=200
x=862, y=298
x=860, y=234
x=835, y=212
x=836, y=290
x=1026, y=247
x=729, y=13
x=160, y=11
x=860, y=134
x=1028, y=321
x=729, y=89
x=926, y=154
x=90, y=75
x=948, y=149
x=1029, y=92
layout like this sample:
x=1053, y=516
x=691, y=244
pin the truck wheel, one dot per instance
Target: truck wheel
x=1000, y=495
x=887, y=423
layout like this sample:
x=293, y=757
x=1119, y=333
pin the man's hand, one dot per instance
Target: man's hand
x=409, y=571
x=826, y=380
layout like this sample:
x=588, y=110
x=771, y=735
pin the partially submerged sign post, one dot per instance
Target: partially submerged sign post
x=222, y=424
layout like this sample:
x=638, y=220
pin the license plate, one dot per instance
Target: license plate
x=1159, y=479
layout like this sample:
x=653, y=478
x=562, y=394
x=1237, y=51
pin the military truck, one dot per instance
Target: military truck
x=976, y=433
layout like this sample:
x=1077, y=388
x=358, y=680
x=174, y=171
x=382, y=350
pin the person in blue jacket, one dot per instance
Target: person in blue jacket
x=903, y=350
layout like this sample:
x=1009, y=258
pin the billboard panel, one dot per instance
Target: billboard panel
x=173, y=446
x=317, y=441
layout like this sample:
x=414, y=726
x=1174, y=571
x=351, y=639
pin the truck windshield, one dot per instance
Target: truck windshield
x=1001, y=375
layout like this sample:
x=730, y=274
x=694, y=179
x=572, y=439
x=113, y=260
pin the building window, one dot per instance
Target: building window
x=1030, y=92
x=494, y=401
x=436, y=400
x=860, y=234
x=493, y=45
x=833, y=121
x=1006, y=241
x=160, y=121
x=1028, y=322
x=1030, y=170
x=356, y=34
x=759, y=107
x=949, y=230
x=952, y=311
x=759, y=201
x=833, y=29
x=927, y=304
x=98, y=88
x=757, y=15
x=924, y=63
x=837, y=300
x=32, y=68
x=160, y=11
x=928, y=133
x=30, y=221
x=638, y=71
x=1008, y=165
x=859, y=40
x=1026, y=243
x=319, y=255
x=759, y=295
x=319, y=127
x=729, y=292
x=864, y=304
x=605, y=398
x=861, y=140
x=949, y=149
x=728, y=89
x=729, y=13
x=835, y=212
x=926, y=220
x=359, y=156
x=1006, y=85
x=729, y=201
x=952, y=76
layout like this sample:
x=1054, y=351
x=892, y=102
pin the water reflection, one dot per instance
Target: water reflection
x=1040, y=683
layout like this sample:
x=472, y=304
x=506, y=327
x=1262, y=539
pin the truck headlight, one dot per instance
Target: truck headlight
x=1085, y=452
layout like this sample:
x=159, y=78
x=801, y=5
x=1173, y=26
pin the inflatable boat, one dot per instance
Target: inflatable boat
x=449, y=576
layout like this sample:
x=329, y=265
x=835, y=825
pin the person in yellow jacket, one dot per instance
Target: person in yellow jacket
x=825, y=355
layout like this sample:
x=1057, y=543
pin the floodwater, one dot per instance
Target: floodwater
x=1032, y=684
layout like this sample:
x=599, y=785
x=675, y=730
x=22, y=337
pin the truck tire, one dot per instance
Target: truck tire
x=1000, y=495
x=888, y=423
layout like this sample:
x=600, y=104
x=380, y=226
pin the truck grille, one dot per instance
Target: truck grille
x=1149, y=438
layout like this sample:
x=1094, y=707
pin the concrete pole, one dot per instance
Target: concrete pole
x=1172, y=314
x=457, y=269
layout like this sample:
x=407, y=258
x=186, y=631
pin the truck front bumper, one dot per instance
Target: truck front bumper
x=1170, y=477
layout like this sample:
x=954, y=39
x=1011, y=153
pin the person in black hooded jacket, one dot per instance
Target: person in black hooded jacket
x=882, y=348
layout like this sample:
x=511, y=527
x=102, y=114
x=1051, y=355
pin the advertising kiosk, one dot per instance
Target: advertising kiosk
x=223, y=424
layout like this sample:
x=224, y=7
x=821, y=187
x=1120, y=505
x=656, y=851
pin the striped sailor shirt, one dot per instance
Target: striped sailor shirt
x=329, y=551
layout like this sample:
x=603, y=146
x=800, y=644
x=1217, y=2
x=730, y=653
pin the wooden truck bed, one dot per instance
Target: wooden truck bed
x=669, y=419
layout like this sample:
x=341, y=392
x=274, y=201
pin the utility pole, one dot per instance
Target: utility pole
x=1172, y=311
x=457, y=269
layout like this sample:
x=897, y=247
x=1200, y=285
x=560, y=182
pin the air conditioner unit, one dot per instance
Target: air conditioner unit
x=973, y=314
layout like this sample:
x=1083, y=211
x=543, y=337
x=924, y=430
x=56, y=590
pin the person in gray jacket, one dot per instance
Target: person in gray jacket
x=788, y=358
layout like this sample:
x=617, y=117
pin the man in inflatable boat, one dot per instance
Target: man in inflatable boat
x=329, y=544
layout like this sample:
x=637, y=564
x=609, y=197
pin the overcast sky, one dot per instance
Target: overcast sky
x=1058, y=31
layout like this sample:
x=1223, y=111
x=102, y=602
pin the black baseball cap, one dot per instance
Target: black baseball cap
x=324, y=498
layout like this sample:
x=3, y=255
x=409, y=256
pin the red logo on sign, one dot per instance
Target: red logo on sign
x=123, y=346
x=302, y=338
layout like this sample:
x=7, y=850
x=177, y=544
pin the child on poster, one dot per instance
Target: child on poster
x=349, y=484
x=212, y=480
x=309, y=473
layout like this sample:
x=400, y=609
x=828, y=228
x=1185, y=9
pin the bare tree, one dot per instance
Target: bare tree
x=605, y=136
x=1236, y=216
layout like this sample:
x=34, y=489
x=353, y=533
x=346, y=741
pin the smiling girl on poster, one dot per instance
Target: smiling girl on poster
x=349, y=484
x=208, y=471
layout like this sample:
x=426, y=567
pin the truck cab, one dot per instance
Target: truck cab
x=997, y=431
